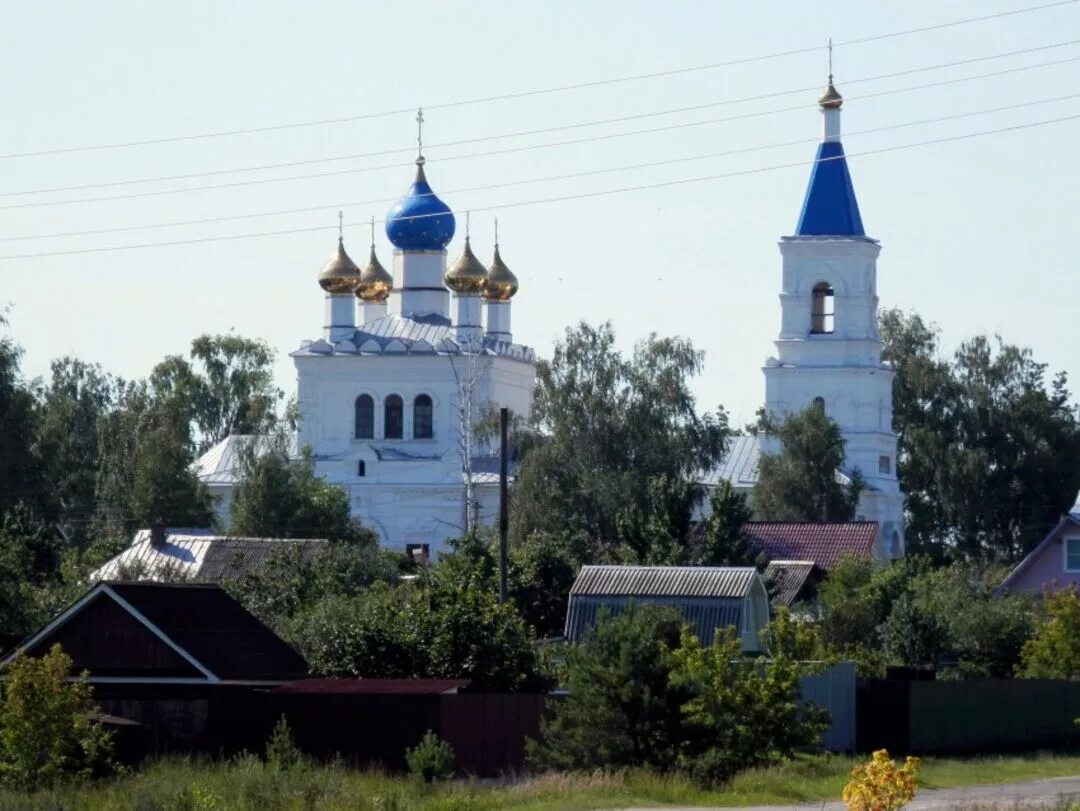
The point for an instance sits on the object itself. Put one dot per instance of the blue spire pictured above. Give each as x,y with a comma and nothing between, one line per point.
830,208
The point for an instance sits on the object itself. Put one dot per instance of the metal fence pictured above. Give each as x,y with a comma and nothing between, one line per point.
834,689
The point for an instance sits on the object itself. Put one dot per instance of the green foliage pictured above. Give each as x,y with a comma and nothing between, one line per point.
281,497
542,570
799,483
47,731
282,753
722,540
430,760
1053,652
644,692
988,446
226,388
617,443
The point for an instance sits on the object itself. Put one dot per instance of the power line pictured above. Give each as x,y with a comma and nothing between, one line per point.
539,91
529,147
541,131
550,178
559,199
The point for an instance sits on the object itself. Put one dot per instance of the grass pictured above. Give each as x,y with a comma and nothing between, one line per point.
247,785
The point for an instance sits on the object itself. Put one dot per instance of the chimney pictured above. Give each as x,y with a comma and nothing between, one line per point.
157,534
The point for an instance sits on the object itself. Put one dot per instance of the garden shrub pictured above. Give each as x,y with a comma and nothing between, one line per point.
47,726
430,760
881,785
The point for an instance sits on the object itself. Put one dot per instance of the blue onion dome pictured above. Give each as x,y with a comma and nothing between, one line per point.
420,221
500,284
341,275
466,276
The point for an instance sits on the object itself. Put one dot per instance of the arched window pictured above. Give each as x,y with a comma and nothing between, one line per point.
819,404
821,309
422,417
365,417
361,468
393,417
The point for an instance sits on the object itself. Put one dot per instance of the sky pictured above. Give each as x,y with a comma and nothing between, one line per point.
977,232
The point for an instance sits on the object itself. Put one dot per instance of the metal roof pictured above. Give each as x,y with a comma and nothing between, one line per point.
786,579
194,555
664,581
824,544
830,207
221,464
374,687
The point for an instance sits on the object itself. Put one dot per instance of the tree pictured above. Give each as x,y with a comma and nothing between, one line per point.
615,438
281,497
722,539
226,388
21,473
542,570
623,707
47,729
1054,651
800,482
988,445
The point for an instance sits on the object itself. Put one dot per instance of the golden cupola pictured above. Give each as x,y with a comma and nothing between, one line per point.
500,284
341,275
375,281
830,98
466,276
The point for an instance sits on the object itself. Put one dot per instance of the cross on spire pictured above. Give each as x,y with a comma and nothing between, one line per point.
373,233
468,214
830,59
496,232
341,226
419,132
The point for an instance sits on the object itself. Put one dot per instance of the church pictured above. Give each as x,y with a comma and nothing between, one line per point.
409,360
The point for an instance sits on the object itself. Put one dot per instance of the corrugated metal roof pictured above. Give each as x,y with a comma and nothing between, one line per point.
664,581
199,556
703,614
824,544
374,687
786,579
221,464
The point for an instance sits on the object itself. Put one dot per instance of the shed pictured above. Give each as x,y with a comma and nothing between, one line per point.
709,597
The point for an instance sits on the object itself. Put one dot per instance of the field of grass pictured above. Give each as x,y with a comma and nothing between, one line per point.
247,785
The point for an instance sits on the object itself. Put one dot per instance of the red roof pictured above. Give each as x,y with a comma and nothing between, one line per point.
823,544
374,687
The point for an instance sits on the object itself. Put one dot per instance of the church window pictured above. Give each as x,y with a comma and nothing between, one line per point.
822,311
365,417
884,465
393,417
361,468
422,417
819,404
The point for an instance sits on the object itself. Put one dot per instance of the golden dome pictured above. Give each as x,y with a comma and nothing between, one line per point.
501,284
341,275
466,276
375,281
830,98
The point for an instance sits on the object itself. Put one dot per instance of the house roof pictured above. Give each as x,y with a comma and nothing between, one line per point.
373,687
824,544
663,581
200,556
786,580
1030,558
204,625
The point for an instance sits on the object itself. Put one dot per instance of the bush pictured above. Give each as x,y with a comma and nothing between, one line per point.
643,692
1054,651
430,760
880,785
282,753
47,729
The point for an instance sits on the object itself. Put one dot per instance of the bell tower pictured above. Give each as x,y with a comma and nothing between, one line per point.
828,352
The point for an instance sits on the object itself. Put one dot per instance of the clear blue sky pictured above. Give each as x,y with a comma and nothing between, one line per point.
978,234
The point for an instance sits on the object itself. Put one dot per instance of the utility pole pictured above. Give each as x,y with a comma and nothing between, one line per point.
504,518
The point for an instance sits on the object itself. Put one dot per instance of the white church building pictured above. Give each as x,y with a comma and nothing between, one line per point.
407,359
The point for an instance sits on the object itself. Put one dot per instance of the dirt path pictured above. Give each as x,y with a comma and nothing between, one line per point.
1034,794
